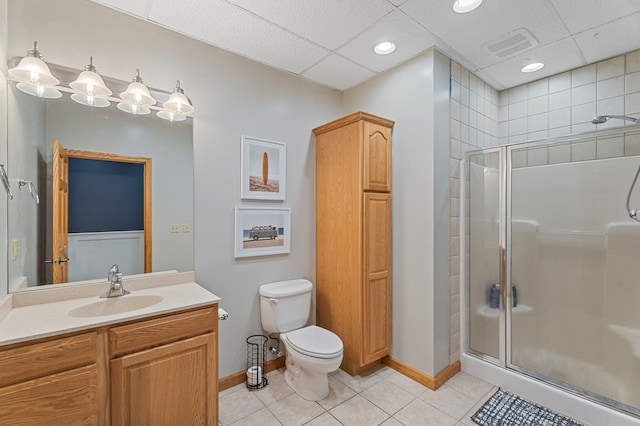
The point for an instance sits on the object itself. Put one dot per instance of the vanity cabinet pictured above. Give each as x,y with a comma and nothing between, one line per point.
157,371
353,236
164,371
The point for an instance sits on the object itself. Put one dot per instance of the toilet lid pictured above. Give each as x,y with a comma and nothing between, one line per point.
315,341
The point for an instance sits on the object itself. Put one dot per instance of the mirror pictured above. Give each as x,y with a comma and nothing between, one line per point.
95,242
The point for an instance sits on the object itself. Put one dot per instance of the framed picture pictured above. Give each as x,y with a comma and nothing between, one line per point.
264,169
262,232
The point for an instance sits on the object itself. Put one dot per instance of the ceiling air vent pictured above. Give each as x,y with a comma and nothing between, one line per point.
512,43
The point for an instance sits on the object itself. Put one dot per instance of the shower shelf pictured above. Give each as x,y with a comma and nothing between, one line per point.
488,312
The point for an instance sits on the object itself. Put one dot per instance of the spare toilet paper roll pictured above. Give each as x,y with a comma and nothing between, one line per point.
222,314
254,375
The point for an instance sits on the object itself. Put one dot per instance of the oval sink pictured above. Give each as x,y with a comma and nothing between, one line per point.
115,305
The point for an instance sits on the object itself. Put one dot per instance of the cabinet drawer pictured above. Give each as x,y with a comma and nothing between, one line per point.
41,359
146,334
63,399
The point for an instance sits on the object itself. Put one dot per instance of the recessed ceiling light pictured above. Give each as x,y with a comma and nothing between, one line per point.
384,48
532,67
464,6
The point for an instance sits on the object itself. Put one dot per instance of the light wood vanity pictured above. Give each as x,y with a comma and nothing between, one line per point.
158,369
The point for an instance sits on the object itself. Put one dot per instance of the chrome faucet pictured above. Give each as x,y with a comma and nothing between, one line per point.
116,288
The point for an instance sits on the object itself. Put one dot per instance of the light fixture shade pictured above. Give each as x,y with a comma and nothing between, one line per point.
39,90
32,69
133,108
171,116
137,93
92,101
90,83
178,102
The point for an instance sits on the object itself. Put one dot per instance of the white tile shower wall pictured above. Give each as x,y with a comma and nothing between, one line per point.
474,117
566,103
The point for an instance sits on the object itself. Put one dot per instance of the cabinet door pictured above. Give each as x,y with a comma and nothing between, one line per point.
377,278
175,384
377,157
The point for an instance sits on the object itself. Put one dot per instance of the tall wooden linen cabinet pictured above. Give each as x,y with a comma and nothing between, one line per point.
353,236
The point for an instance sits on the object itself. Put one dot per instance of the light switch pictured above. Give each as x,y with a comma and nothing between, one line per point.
14,251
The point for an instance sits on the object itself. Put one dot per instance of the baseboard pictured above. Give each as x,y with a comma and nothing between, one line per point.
241,376
432,383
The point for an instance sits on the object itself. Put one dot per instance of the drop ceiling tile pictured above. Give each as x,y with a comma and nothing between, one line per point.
229,27
134,7
557,57
615,38
581,15
338,72
409,37
491,21
330,23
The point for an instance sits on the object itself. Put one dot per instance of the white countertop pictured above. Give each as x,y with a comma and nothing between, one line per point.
46,313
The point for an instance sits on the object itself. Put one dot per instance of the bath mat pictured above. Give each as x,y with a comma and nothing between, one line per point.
507,409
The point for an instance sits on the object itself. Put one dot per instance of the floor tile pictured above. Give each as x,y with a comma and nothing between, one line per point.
338,393
262,417
359,412
406,383
469,385
360,382
419,412
324,420
391,422
276,390
295,410
388,396
449,400
466,418
235,405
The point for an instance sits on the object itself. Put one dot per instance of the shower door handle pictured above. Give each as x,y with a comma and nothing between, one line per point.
503,276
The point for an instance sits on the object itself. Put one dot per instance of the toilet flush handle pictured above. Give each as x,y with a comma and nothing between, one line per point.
274,301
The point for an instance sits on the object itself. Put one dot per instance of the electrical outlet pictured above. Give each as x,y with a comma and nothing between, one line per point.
185,227
174,228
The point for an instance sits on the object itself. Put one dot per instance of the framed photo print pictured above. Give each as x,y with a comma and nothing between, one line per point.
262,231
264,169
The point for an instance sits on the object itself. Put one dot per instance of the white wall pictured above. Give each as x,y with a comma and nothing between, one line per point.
232,96
413,95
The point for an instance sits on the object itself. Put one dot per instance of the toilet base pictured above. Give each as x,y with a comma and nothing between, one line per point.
312,386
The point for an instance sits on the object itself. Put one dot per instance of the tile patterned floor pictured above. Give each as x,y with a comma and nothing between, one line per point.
381,396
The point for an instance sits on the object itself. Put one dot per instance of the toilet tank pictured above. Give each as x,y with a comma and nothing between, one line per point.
285,305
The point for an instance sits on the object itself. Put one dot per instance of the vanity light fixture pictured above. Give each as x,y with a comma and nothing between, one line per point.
90,88
532,67
466,6
178,102
171,116
133,108
385,48
34,77
32,69
39,90
137,93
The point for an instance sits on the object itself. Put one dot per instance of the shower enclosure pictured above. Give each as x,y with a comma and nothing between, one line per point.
553,263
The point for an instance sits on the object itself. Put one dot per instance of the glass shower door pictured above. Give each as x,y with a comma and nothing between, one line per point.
575,267
485,268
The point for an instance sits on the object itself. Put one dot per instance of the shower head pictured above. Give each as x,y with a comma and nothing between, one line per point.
604,118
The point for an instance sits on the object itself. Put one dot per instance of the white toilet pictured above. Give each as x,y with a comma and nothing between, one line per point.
312,352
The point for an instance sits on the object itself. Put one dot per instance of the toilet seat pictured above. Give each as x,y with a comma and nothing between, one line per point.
315,341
